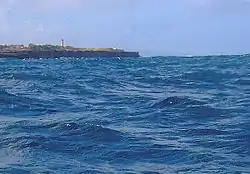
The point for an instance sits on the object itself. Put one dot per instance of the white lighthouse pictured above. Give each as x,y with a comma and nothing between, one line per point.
62,43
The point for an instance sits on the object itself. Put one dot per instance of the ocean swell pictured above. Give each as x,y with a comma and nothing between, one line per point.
147,115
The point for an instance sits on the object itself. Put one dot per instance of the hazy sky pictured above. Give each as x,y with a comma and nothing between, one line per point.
153,27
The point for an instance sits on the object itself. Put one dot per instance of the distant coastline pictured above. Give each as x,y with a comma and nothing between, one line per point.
57,51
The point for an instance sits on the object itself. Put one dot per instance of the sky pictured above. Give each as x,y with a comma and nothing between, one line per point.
152,27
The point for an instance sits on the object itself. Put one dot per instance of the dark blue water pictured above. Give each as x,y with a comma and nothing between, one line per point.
146,115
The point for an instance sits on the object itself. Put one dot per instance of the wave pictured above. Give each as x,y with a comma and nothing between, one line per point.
60,137
177,101
147,115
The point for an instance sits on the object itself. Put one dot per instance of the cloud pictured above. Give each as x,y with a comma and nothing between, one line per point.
221,3
201,3
220,8
31,26
5,8
58,4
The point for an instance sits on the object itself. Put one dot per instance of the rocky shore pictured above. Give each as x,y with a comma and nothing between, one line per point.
75,54
54,51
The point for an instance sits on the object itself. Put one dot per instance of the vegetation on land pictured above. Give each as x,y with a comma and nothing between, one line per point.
47,47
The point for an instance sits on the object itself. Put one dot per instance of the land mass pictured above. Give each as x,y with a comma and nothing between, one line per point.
57,51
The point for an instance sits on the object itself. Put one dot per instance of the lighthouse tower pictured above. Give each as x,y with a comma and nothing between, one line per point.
62,43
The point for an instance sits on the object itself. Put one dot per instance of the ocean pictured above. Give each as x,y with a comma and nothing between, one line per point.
144,115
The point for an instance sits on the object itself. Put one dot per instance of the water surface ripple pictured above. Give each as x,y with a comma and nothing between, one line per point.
146,115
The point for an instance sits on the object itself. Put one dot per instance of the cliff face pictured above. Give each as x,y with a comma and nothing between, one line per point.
58,54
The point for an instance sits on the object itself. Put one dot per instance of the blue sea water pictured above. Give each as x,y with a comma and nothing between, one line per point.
135,115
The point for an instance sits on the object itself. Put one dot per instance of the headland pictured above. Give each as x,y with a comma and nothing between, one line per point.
57,51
